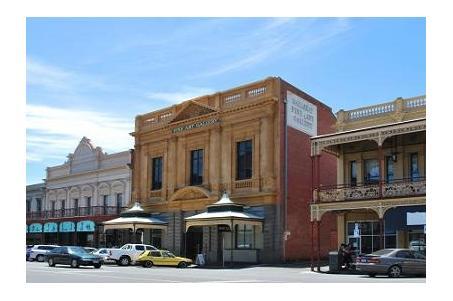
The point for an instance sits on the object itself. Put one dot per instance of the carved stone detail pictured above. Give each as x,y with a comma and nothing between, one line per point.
190,193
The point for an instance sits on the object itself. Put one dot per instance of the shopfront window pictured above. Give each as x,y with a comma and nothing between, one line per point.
371,171
196,167
157,174
244,160
365,236
244,236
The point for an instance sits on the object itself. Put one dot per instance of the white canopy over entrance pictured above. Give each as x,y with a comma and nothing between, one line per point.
135,218
225,212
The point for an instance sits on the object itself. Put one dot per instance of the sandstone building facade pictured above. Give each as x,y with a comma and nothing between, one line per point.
187,155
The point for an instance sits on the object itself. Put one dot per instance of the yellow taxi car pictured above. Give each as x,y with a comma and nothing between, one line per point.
162,257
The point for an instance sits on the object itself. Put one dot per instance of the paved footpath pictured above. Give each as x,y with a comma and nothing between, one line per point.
40,272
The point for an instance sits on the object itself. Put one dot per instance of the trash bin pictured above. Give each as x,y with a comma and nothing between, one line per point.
334,264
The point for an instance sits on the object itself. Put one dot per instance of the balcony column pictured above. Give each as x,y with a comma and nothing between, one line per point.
381,231
381,169
318,237
312,248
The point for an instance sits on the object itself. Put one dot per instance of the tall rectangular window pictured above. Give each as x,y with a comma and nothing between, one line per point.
414,168
371,171
119,202
88,202
353,178
28,206
63,203
105,203
52,208
244,160
389,173
196,167
76,206
245,236
38,205
156,174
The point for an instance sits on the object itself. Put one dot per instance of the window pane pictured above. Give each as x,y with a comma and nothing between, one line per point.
414,166
389,169
196,166
353,166
371,171
244,160
156,173
390,241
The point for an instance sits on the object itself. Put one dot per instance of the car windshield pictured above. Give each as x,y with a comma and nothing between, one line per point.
77,250
169,254
382,252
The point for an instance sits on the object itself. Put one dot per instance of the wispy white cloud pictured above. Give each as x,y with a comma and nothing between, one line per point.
50,77
55,78
280,37
186,93
52,133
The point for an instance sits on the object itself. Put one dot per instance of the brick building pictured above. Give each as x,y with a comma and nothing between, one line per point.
235,141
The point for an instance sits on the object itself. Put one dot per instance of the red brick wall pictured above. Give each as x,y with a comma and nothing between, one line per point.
298,244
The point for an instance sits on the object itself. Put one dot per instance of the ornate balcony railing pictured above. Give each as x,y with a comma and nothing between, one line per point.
74,212
392,189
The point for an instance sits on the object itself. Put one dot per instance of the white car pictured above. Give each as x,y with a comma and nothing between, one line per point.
38,252
128,253
104,254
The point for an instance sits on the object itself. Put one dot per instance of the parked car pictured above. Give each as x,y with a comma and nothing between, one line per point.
162,257
418,246
104,254
27,251
73,256
38,252
392,262
90,249
128,253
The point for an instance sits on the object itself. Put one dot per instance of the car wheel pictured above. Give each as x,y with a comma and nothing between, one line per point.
40,258
148,264
125,261
74,263
182,265
394,271
372,275
51,262
97,266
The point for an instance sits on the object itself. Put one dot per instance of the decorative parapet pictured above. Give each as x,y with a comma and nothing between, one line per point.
225,99
398,110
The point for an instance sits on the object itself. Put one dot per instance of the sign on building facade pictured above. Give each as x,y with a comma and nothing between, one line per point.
302,115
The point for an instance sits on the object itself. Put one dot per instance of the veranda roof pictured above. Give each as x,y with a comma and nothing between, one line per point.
223,212
135,218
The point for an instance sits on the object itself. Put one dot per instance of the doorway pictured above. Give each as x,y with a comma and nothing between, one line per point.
194,242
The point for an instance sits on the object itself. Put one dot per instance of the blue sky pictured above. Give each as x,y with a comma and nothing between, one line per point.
92,76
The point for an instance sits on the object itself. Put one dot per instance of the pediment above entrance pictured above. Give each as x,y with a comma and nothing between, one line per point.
191,110
190,193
